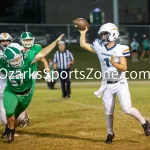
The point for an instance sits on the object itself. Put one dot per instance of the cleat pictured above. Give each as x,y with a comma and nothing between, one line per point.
146,128
109,139
5,132
24,123
68,96
16,134
10,136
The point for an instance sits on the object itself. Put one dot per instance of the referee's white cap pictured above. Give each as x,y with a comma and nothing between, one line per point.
61,42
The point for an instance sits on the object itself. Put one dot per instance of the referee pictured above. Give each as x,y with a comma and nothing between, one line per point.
63,60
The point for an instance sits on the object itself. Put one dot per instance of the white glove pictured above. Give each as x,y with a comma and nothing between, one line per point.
48,78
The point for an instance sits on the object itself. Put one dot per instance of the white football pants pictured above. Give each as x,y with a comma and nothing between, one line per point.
2,110
122,91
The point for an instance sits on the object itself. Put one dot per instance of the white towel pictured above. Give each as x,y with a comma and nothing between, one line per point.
101,89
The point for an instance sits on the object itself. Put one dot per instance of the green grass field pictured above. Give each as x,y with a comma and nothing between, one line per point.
78,123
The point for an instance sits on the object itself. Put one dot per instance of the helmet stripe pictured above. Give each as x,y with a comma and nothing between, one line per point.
5,35
12,51
27,34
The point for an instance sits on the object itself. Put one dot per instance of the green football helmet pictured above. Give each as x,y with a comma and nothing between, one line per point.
27,39
13,57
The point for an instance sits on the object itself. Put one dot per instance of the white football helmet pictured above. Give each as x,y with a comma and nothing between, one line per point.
5,40
111,29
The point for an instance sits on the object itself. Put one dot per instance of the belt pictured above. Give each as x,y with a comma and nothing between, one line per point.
23,93
111,82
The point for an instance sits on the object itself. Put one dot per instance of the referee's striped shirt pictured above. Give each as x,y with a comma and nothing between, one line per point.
62,59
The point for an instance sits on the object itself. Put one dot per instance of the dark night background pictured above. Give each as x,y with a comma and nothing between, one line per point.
64,11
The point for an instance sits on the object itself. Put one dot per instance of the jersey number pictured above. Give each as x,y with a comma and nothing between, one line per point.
107,62
14,82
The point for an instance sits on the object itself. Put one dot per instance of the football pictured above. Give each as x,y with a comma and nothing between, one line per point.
81,23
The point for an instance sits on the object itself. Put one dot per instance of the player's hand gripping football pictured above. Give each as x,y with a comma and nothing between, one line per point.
83,31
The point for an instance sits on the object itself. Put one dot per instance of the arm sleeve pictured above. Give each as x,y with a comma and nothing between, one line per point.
96,45
125,51
29,57
38,48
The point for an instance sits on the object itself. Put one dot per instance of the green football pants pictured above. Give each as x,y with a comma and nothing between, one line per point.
16,104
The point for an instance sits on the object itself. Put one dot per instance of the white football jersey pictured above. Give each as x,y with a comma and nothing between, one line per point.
2,76
109,72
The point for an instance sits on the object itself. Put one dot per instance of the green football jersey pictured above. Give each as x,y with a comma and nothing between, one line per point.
20,79
36,48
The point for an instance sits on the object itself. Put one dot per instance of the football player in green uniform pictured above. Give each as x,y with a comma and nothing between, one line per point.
27,41
5,40
20,85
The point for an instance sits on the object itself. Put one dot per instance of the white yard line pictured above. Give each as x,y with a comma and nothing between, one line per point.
90,106
96,107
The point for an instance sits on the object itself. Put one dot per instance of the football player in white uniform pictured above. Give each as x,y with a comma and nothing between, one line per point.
5,40
113,63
